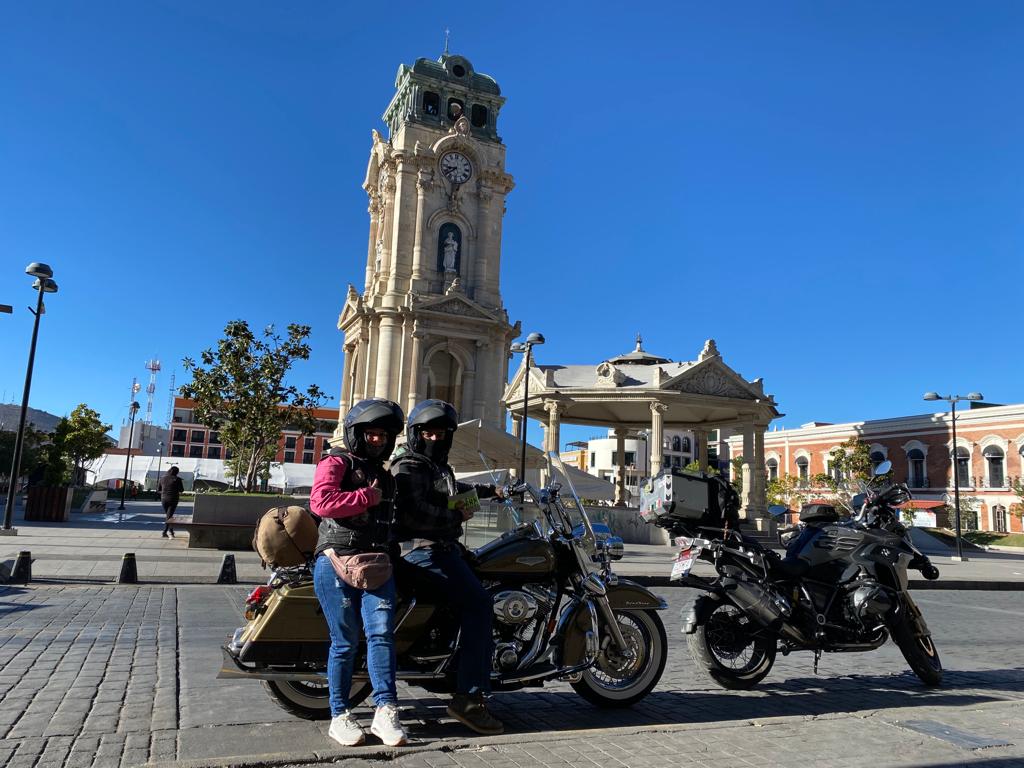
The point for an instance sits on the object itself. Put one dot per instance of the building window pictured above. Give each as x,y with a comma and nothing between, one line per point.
180,435
289,456
803,469
593,458
772,465
213,452
877,457
666,461
455,109
215,438
195,451
676,443
178,450
677,461
963,466
994,466
431,103
684,445
307,457
999,518
630,458
478,116
915,468
289,442
198,436
309,443
227,454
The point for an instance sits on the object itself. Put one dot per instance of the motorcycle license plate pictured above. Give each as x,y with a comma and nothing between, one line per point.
683,563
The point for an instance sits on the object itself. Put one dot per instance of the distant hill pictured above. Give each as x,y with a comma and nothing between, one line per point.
10,413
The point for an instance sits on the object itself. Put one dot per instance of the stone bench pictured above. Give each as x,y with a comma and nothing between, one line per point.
228,521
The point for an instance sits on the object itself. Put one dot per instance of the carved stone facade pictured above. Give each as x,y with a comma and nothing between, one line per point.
430,321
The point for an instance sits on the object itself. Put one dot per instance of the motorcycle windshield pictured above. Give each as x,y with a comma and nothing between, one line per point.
494,516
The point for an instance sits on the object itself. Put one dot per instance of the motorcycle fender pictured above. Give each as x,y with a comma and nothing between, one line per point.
570,639
628,595
698,613
915,616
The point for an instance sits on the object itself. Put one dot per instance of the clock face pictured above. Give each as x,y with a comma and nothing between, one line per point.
456,167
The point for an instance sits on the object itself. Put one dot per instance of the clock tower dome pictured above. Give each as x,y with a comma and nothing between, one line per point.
429,322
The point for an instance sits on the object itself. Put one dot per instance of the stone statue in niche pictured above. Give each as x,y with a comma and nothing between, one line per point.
449,250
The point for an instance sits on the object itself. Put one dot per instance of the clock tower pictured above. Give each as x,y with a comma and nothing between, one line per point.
429,322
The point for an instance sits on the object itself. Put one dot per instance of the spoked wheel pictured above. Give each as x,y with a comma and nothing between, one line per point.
919,652
310,700
731,649
622,679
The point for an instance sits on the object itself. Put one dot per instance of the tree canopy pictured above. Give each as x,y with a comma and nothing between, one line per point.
80,438
239,389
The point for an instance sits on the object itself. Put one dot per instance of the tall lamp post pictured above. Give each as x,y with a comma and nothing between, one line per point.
159,460
953,400
526,347
134,408
44,283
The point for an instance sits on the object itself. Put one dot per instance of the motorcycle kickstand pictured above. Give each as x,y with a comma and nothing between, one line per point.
817,656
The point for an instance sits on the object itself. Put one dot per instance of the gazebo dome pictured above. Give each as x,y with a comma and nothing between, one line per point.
638,356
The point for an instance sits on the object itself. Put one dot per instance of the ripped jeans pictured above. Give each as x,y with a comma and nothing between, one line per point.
345,608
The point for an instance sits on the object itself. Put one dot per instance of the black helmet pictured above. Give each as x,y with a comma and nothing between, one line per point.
379,413
435,414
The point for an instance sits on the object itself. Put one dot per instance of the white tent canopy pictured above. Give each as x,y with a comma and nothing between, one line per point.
111,467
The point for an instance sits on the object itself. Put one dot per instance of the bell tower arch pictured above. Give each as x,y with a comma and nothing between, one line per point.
436,187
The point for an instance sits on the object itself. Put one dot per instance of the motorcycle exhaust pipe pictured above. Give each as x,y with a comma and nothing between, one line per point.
768,610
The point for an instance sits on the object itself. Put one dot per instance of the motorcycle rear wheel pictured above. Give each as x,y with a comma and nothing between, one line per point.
728,648
919,652
617,681
310,700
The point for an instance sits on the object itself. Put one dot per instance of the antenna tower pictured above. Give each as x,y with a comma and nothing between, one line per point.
170,403
153,366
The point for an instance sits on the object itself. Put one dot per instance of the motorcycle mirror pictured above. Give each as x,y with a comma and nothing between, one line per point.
883,468
777,510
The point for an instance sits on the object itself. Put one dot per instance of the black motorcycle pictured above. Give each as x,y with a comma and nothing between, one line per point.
841,587
560,613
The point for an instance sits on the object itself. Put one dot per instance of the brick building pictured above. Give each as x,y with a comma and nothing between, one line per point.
189,439
990,455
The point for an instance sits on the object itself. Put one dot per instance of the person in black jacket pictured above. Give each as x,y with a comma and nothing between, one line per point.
424,484
170,488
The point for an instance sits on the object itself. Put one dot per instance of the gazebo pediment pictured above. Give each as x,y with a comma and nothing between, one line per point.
714,378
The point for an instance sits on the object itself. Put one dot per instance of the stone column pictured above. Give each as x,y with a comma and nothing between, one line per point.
371,253
656,439
482,280
700,448
359,374
759,502
468,394
747,497
554,426
424,180
620,466
415,363
385,356
348,377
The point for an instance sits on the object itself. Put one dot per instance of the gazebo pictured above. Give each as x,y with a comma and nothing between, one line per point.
639,390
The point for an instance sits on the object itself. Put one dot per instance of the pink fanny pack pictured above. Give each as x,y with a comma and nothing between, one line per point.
367,570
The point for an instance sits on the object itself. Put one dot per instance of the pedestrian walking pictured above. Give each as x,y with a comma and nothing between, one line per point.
170,488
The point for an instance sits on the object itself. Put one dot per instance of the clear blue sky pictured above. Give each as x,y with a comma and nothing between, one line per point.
831,190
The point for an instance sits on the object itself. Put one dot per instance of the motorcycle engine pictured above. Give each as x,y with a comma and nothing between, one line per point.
870,604
519,614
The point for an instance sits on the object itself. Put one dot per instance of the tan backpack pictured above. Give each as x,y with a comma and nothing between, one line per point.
285,536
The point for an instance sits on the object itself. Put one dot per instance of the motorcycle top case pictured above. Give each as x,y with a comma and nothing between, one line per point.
674,495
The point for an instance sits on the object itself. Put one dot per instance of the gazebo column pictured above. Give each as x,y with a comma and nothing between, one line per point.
759,501
700,448
747,497
552,431
620,467
657,439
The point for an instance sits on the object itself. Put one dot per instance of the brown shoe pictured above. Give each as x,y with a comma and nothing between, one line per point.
471,710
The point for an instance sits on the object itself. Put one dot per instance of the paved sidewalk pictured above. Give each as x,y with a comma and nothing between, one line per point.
89,548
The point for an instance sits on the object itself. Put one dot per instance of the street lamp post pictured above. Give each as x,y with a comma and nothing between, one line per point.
134,408
526,348
953,400
43,284
159,459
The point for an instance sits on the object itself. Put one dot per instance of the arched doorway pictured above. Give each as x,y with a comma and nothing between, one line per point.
444,378
999,518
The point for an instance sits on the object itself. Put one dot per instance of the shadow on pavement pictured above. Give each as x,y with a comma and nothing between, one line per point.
7,609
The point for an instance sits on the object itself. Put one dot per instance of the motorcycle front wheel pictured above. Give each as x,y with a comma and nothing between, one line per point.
309,700
622,679
730,649
919,652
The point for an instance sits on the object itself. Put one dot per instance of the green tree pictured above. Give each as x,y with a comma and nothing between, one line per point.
79,439
32,452
849,469
786,490
239,389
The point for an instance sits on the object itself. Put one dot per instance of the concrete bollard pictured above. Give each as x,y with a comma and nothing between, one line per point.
22,568
227,573
129,573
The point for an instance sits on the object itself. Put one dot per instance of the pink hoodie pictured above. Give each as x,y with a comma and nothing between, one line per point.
327,498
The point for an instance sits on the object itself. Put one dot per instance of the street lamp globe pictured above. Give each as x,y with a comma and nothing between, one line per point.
535,338
38,269
974,395
932,396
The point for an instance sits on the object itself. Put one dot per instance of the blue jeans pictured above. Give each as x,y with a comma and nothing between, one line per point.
476,611
346,610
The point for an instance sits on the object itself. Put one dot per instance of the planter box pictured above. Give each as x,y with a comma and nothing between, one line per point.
48,504
228,521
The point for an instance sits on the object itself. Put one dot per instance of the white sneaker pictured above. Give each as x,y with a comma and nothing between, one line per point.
386,727
345,730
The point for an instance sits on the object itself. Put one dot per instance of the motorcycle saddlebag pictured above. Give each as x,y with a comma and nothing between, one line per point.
675,496
285,536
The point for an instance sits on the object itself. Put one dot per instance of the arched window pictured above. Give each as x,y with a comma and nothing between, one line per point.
803,469
772,465
994,466
676,443
915,469
684,445
877,457
963,466
444,379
